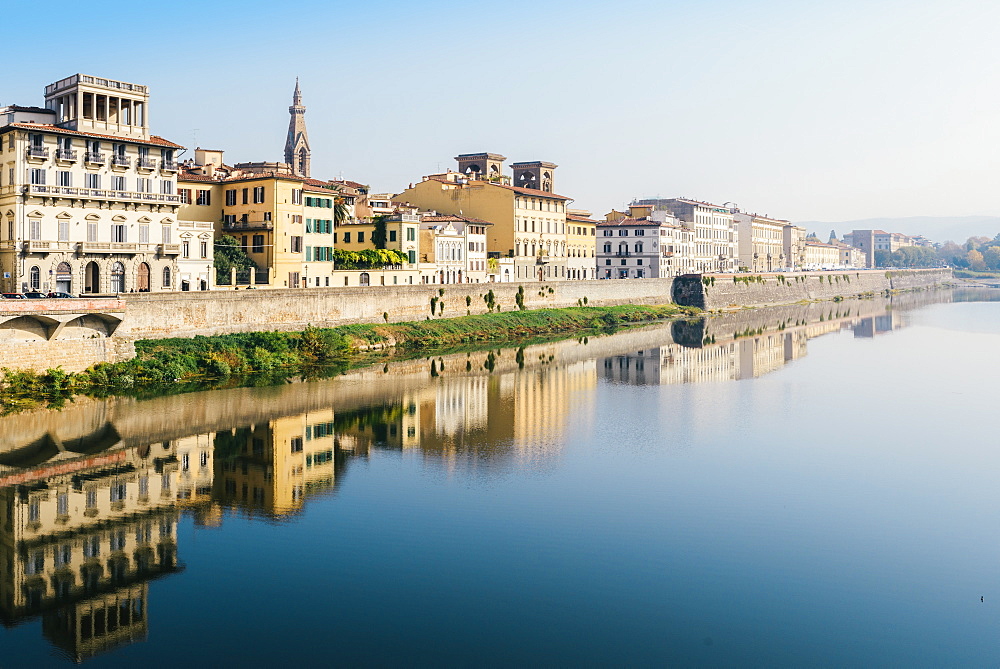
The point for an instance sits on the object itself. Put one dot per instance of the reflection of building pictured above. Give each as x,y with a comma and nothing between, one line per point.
876,325
86,531
271,468
743,358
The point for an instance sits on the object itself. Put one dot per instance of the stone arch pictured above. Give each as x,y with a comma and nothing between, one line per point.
64,277
92,277
142,278
117,284
26,328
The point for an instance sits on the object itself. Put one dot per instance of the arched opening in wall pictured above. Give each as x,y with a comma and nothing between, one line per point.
35,277
364,279
142,278
64,278
167,279
302,161
118,278
92,278
203,285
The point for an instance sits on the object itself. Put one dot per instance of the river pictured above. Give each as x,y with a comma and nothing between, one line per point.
811,485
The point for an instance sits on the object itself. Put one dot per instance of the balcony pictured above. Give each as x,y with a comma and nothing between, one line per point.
108,247
38,246
100,194
253,224
94,158
170,249
37,153
168,166
145,164
66,155
121,161
623,254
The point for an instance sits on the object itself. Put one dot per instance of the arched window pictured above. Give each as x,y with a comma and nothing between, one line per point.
92,278
36,277
364,279
118,278
166,277
64,278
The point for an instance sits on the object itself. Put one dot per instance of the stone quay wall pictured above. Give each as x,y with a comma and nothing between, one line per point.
186,314
738,290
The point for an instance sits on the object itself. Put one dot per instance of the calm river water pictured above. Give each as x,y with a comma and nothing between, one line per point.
799,486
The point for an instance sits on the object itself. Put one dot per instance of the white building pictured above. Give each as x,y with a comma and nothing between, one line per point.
88,199
640,246
453,248
195,264
760,242
714,234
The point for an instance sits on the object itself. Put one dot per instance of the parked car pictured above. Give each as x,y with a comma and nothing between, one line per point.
61,295
13,296
35,295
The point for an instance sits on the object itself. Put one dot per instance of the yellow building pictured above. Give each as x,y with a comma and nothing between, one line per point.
821,256
529,225
581,245
760,242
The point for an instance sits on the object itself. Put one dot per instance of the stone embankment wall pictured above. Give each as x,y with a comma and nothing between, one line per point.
158,315
726,291
162,315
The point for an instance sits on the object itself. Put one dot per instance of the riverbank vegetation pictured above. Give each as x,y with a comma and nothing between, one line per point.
166,366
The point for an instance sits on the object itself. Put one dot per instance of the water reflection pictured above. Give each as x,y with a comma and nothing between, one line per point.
91,496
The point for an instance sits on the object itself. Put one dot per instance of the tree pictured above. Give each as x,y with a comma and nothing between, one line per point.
341,214
229,255
975,260
991,256
883,258
378,234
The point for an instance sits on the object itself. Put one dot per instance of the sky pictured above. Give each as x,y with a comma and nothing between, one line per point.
799,110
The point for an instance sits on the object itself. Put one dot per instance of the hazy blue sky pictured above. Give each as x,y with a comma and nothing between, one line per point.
807,111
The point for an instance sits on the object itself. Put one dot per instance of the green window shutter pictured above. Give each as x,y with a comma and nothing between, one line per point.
309,253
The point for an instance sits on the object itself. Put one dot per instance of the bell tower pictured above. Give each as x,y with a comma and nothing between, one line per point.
297,153
536,174
481,166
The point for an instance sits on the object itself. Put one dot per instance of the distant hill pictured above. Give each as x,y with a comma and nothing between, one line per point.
935,228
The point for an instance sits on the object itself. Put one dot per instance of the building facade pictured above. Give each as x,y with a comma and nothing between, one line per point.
88,200
714,241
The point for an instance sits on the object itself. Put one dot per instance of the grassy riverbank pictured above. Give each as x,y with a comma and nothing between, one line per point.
165,366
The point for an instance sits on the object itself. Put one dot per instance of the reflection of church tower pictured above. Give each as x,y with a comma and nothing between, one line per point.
297,153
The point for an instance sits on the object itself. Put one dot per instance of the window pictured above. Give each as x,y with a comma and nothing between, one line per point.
186,249
118,183
167,187
34,228
258,244
166,277
185,194
91,231
118,492
361,237
204,198
297,196
258,194
246,193
37,176
91,497
411,234
347,238
64,178
119,233
63,231
231,197
392,235
295,244
204,249
92,180
296,444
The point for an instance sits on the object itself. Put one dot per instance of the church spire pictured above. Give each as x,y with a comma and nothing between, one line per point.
297,153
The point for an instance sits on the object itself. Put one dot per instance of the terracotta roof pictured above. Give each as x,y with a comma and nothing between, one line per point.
580,219
352,184
153,139
190,176
630,221
516,189
451,218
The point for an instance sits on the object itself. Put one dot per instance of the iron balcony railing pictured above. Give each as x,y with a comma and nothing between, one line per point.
95,157
38,152
118,160
66,154
147,163
169,165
